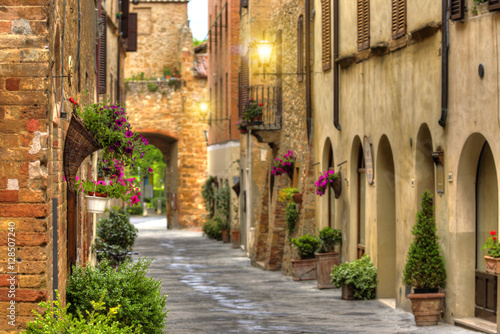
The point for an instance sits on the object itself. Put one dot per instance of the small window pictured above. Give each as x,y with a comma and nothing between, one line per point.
493,4
457,9
398,18
363,24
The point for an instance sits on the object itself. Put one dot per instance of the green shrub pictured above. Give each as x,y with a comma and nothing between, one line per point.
328,239
139,297
208,194
154,203
115,233
306,246
360,274
424,264
152,87
212,229
291,217
135,210
56,320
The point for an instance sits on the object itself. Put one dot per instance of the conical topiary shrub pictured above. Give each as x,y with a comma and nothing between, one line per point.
425,265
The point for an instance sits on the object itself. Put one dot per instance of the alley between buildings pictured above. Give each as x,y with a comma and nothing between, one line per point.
212,288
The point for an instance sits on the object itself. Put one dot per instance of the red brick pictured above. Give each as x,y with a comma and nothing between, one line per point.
4,280
26,267
23,295
22,309
9,196
24,225
2,112
25,239
5,27
30,196
23,210
33,112
12,84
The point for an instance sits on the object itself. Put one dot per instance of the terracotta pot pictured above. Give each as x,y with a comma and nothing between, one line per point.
257,120
243,130
235,237
492,265
297,198
347,293
426,307
304,270
91,193
225,236
324,264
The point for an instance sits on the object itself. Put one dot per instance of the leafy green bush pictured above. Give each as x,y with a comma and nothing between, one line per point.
212,229
139,297
223,197
291,217
115,233
56,320
328,238
424,264
360,274
135,210
154,203
306,246
208,194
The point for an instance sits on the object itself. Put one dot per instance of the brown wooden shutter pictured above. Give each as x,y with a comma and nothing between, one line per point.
132,32
493,4
457,9
244,3
363,24
300,48
326,34
398,18
125,15
244,82
102,56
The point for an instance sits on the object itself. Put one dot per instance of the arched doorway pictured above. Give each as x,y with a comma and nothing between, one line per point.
476,215
329,199
386,220
424,167
359,195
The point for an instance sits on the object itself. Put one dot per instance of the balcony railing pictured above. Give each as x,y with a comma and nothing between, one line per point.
270,97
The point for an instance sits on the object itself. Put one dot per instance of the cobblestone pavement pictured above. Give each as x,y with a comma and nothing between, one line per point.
212,288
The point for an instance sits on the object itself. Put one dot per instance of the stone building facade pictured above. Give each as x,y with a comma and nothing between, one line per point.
222,97
167,112
428,118
45,58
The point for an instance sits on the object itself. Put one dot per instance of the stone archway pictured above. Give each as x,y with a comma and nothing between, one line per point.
424,166
386,220
328,200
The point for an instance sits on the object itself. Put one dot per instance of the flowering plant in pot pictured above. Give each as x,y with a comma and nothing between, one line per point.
110,127
425,269
305,268
242,125
328,178
493,258
252,111
326,256
285,165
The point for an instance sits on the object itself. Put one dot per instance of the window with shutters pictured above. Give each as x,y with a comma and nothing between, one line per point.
457,9
398,18
363,24
300,48
132,32
102,56
244,82
493,4
326,34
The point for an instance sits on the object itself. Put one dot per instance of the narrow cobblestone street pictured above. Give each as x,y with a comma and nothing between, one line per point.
212,288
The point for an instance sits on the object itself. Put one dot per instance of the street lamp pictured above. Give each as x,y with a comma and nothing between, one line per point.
265,51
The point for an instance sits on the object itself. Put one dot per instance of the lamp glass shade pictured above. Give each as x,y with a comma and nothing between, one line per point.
265,50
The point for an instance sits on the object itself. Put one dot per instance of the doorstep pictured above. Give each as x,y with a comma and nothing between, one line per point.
477,324
260,264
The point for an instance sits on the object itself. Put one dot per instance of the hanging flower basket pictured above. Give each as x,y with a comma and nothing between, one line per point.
337,185
96,203
329,178
285,165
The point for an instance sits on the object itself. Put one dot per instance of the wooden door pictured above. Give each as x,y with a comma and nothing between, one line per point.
486,296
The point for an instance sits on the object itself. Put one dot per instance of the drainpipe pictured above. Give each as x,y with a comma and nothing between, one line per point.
444,64
308,68
119,52
336,81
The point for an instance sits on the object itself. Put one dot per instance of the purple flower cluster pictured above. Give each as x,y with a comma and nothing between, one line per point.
285,165
325,178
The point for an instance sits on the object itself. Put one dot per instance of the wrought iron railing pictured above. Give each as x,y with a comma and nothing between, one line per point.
270,97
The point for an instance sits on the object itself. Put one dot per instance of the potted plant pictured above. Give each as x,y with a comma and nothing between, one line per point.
167,73
326,256
285,165
252,112
493,258
242,125
305,268
358,279
176,73
329,178
425,269
291,213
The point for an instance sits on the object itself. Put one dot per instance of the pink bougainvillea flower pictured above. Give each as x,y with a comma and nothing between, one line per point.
150,170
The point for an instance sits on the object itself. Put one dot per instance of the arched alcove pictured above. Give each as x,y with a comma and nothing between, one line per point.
424,165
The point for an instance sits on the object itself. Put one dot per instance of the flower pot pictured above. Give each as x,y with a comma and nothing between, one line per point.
243,131
337,186
297,198
426,307
304,270
324,264
225,236
96,203
492,265
257,120
347,293
235,237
